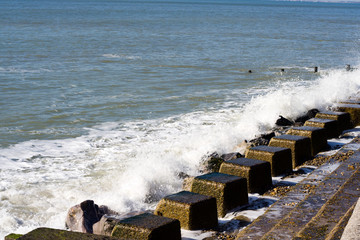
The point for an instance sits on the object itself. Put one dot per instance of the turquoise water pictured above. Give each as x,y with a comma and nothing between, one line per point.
93,93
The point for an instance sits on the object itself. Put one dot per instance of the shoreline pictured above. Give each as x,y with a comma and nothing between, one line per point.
279,189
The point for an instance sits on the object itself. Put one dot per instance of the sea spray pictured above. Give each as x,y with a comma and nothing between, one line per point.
129,166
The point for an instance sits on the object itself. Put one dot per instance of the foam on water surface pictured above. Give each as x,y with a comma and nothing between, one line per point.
129,166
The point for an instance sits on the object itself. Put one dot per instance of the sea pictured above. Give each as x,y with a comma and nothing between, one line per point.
116,100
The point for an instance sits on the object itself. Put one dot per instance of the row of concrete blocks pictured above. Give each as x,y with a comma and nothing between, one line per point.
215,194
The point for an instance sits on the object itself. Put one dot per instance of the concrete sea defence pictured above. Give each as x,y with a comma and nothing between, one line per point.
318,207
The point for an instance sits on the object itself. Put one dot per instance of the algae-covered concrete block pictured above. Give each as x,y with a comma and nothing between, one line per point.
300,147
12,236
147,226
342,118
278,157
194,211
230,191
353,110
56,234
317,137
256,172
329,125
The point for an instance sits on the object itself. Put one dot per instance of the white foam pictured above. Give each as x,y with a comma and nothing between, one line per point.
130,165
121,56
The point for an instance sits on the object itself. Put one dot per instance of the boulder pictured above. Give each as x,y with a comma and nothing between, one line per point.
310,114
283,122
82,217
264,139
212,162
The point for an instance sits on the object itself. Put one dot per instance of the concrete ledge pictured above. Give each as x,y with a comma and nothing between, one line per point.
300,147
56,234
353,110
279,158
194,211
342,118
147,226
331,126
351,101
317,137
230,191
256,172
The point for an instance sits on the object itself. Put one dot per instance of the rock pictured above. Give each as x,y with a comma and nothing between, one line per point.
212,162
231,156
91,214
283,122
310,114
82,217
262,140
105,225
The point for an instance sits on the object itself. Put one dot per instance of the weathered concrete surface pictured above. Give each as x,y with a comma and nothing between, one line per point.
333,210
230,191
342,118
12,236
317,137
331,126
279,158
56,234
256,172
353,110
194,211
352,229
147,226
290,214
338,230
325,192
300,147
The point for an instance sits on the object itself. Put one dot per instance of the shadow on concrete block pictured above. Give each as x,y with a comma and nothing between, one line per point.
353,110
317,137
342,118
230,191
256,172
278,157
147,226
194,211
300,147
331,126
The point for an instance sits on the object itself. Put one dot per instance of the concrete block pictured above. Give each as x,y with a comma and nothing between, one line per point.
256,172
12,236
342,118
317,137
194,211
56,234
330,126
300,147
353,110
278,157
351,101
147,226
230,191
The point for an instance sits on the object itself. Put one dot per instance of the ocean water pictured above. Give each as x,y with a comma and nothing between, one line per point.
110,100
